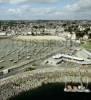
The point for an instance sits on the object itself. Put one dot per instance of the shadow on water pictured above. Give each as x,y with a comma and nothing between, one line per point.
51,90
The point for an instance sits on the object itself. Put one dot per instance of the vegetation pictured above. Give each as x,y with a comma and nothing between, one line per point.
87,45
30,80
46,28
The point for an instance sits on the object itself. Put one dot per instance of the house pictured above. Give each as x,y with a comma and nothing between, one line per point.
29,33
50,31
85,37
81,28
2,33
73,37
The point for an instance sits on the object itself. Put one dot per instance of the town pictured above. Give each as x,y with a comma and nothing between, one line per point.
73,29
45,49
58,48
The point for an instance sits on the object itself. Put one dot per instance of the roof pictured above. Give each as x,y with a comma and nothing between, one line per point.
66,56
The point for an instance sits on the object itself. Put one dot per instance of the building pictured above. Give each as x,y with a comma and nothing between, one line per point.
2,33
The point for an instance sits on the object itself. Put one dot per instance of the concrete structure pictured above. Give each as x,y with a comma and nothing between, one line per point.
59,58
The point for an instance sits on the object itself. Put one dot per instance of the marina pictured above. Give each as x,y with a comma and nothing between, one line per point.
34,54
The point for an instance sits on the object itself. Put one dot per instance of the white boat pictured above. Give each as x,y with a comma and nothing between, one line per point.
83,89
78,89
28,57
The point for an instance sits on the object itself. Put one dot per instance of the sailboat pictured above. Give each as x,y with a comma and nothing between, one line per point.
79,88
82,88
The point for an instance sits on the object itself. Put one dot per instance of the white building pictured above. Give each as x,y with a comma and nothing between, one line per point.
85,37
81,28
29,33
2,33
50,31
73,36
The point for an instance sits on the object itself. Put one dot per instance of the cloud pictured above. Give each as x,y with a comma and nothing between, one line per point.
80,9
28,1
26,9
14,11
80,6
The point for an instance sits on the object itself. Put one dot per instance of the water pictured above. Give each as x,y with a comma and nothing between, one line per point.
50,91
13,52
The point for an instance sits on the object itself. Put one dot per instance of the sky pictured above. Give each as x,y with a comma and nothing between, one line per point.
45,9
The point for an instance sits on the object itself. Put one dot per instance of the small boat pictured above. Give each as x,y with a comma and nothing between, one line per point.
76,89
83,89
10,59
2,61
15,61
28,57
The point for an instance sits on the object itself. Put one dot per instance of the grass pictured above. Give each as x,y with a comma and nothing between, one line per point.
87,45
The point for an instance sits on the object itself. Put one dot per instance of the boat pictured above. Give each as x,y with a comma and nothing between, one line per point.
77,89
28,57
